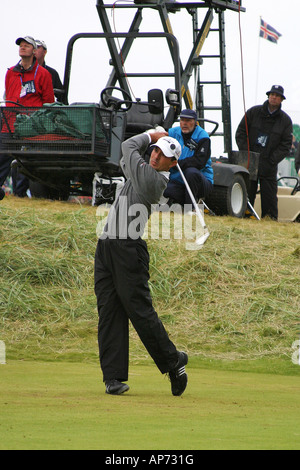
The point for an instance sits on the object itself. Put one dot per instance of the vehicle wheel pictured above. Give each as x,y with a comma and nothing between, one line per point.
38,190
231,200
42,191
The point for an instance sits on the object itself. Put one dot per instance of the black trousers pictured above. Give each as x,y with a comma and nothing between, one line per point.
268,196
199,184
20,182
122,291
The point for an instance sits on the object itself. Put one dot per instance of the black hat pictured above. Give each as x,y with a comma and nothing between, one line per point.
277,89
188,114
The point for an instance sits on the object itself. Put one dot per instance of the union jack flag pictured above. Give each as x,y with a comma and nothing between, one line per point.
268,32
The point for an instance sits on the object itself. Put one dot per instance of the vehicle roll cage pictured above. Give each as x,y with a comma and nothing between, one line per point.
180,73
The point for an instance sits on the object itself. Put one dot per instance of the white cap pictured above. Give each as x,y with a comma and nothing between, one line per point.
169,146
41,44
28,39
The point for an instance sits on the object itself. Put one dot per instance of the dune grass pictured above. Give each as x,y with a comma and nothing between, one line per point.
237,298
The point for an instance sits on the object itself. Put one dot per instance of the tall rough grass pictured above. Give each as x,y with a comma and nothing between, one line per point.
237,297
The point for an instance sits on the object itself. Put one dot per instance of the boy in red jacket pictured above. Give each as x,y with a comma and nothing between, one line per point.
27,84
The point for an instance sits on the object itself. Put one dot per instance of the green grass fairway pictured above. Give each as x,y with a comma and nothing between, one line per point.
63,406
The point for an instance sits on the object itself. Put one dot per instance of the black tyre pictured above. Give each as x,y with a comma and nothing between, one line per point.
38,190
229,200
43,191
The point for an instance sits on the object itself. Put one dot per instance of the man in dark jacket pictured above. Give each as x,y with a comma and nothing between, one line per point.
270,133
40,55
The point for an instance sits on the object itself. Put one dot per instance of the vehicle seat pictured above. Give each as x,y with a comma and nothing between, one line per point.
140,118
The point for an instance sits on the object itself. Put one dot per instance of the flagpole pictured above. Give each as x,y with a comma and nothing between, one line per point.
258,61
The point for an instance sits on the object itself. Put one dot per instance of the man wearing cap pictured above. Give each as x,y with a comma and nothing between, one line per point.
194,161
40,55
26,84
122,267
270,133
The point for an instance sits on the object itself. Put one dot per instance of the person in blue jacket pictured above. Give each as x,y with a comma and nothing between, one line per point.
194,161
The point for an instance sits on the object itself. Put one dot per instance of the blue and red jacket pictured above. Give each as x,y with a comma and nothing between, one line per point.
194,143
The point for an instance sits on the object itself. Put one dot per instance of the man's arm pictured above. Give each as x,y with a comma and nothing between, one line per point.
47,87
133,150
285,145
145,180
55,77
241,133
12,85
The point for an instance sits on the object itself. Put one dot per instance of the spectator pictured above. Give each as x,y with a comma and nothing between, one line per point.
26,84
40,54
195,161
270,133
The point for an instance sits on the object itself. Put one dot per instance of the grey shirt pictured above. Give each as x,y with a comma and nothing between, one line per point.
144,187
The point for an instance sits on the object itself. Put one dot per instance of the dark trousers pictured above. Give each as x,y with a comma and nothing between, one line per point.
20,182
268,196
5,167
122,291
198,183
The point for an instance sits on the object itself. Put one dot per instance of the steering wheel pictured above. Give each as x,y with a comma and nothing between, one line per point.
116,103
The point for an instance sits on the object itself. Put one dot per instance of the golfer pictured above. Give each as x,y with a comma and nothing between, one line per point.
122,268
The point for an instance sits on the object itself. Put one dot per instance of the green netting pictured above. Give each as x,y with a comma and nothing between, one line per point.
76,121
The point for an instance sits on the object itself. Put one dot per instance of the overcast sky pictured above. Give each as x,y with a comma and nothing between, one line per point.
265,63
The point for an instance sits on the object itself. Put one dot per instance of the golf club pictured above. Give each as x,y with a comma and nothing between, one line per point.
201,240
252,210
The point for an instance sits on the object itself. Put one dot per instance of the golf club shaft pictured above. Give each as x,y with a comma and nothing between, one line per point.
198,212
253,211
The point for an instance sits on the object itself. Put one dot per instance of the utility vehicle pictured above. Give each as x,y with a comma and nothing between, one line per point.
61,147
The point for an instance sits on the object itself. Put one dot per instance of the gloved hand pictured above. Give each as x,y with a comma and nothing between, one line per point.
155,134
156,129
